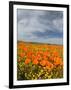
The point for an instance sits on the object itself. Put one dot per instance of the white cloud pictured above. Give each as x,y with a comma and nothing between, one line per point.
58,24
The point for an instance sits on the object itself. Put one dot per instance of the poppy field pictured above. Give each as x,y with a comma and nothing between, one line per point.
36,61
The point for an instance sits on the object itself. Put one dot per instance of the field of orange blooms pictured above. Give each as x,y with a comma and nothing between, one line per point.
39,61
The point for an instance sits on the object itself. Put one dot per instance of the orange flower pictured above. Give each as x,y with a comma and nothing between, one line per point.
43,62
40,52
33,56
27,61
55,54
58,61
45,57
29,54
49,66
39,56
20,45
46,53
22,55
25,49
51,58
35,61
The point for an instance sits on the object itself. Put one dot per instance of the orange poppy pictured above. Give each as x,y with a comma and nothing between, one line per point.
35,61
55,54
29,54
22,55
48,67
33,56
24,49
27,61
43,62
58,60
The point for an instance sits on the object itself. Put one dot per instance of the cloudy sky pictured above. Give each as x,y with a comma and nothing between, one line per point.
40,26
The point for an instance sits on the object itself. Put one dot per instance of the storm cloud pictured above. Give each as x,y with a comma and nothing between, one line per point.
43,26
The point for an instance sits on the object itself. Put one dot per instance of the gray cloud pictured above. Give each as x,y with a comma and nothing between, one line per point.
40,26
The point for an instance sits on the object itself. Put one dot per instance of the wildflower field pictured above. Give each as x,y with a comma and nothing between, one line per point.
39,61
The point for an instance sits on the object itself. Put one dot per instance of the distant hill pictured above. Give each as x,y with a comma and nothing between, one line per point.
38,43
